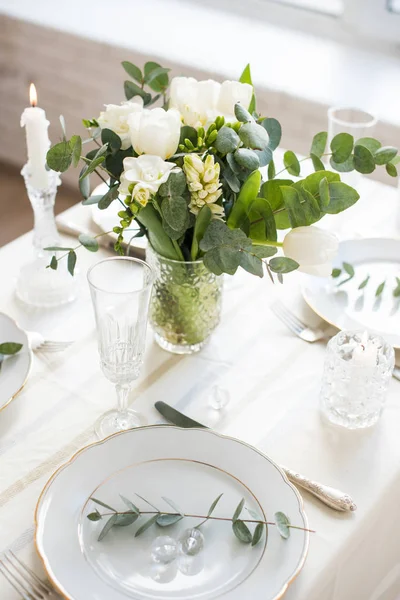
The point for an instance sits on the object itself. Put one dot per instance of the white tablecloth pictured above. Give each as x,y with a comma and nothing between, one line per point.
273,378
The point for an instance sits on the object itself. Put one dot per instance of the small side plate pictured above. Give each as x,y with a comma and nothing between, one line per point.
14,369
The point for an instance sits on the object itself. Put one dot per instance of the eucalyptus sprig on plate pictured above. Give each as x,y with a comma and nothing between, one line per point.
350,272
163,518
8,349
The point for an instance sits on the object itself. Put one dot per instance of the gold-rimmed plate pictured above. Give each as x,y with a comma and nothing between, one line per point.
192,467
349,307
14,369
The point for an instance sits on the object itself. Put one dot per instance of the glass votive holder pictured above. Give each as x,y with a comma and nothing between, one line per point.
357,371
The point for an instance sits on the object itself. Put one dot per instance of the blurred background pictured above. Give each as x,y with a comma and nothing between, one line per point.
305,56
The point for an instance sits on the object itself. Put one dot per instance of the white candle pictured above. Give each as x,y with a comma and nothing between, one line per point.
365,354
37,141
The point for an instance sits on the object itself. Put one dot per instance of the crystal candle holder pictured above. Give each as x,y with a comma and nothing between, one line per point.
37,285
357,371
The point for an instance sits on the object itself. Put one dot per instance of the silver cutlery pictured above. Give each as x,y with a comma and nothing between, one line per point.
303,331
330,496
23,579
38,343
306,333
105,241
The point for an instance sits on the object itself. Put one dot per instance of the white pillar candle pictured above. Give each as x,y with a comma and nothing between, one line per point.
365,354
37,141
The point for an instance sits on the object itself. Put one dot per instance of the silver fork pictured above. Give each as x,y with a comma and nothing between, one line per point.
39,344
23,579
303,331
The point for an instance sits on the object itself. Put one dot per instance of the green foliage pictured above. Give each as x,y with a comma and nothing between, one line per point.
159,239
258,533
363,160
71,261
283,264
222,247
317,163
247,195
238,510
111,139
341,196
109,196
175,216
380,288
318,144
342,146
227,140
283,525
384,155
274,130
291,163
242,114
242,532
133,71
174,186
247,159
364,283
60,156
156,77
132,89
246,78
202,221
271,170
262,222
10,348
370,143
336,273
88,242
253,136
396,291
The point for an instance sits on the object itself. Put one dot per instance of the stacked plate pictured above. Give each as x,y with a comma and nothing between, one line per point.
14,369
350,307
191,467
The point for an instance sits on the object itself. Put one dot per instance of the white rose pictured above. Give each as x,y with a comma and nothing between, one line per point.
156,131
142,176
313,248
115,117
232,92
195,100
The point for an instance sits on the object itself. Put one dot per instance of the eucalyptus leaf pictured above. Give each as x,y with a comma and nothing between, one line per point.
283,264
10,348
291,163
396,291
175,215
133,71
242,114
107,527
227,140
173,505
103,504
336,273
364,161
324,192
345,167
282,524
349,269
258,533
129,504
384,155
54,263
238,510
318,144
264,156
391,170
146,525
317,163
341,196
242,532
131,90
71,262
76,149
56,249
167,520
59,157
84,184
109,196
370,143
246,78
174,186
274,130
123,520
149,503
231,178
94,199
247,158
159,83
253,136
110,138
96,162
380,289
262,223
364,283
94,516
247,195
271,170
214,505
90,243
342,146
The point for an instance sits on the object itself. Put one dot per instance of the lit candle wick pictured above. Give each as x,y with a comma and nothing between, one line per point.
32,95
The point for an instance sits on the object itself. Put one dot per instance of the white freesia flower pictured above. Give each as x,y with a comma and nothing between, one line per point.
115,117
195,100
155,131
200,102
231,93
313,248
142,176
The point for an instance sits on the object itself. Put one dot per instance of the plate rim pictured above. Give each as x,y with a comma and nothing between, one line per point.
311,305
72,459
29,353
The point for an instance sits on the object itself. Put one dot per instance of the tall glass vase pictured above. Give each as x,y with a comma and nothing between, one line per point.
186,303
37,285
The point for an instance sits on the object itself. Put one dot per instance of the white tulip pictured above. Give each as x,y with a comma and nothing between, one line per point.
155,131
115,117
195,100
142,176
313,248
232,92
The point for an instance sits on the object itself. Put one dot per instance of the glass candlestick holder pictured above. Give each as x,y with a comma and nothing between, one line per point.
358,368
36,284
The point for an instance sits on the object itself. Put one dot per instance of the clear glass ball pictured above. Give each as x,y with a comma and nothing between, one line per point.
191,542
164,550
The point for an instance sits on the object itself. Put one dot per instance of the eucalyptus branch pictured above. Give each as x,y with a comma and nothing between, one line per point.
86,241
167,518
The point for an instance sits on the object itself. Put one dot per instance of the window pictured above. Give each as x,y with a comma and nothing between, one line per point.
394,6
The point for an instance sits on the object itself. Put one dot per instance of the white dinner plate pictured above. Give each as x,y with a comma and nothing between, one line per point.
191,467
108,218
346,306
14,369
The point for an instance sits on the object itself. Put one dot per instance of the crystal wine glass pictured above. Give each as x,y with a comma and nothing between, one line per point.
120,289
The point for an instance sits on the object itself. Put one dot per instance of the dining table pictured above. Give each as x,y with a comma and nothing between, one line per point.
273,380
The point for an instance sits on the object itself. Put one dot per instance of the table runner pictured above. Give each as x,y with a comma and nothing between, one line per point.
273,378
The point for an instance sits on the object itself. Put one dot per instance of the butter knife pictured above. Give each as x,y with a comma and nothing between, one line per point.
105,241
330,496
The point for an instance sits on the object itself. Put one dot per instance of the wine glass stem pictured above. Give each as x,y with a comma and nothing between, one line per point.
122,395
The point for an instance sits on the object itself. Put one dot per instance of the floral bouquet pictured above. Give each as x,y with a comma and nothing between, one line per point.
198,177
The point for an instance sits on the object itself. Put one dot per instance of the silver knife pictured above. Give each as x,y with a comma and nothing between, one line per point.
330,496
105,241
